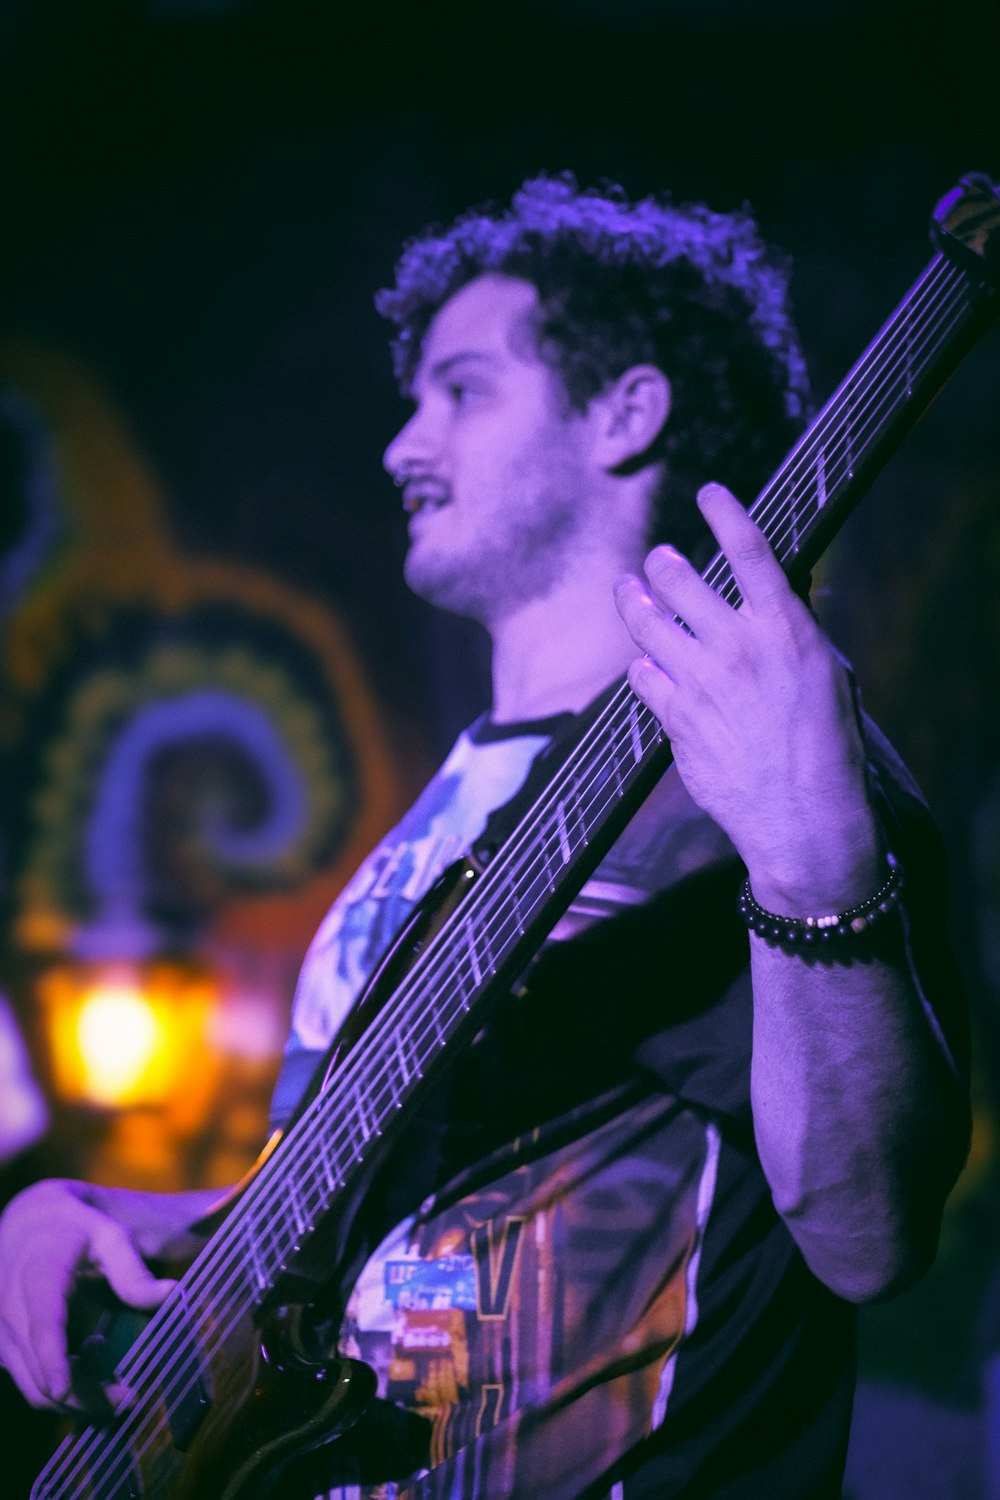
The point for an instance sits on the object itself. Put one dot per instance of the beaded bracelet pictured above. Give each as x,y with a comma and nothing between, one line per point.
793,932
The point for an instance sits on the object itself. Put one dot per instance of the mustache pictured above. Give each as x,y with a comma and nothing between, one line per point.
421,491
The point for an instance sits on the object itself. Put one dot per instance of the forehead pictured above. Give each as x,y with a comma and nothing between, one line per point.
489,317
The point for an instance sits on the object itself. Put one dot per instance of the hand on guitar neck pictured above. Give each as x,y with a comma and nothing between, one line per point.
761,717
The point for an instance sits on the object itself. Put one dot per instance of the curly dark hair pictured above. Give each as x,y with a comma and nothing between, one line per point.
696,293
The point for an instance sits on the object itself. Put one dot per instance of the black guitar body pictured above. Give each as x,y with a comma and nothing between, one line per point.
270,1397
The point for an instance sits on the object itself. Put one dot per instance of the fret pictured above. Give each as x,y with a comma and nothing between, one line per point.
350,1134
299,1218
590,795
355,1135
514,897
481,938
396,1078
635,731
406,1072
273,1225
803,504
820,475
271,1243
582,834
552,855
562,833
362,1119
408,1066
462,990
847,425
432,1014
332,1173
533,892
472,948
626,748
189,1310
652,729
836,452
538,891
618,753
250,1255
907,339
390,1078
889,392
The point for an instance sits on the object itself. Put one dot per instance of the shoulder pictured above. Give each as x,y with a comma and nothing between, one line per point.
667,843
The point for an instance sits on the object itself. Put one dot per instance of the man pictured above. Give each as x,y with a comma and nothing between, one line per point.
617,1251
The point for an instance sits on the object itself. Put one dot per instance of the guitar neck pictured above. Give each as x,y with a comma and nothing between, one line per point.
869,413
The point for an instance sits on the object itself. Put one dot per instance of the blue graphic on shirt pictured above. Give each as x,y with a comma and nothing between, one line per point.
425,1284
447,817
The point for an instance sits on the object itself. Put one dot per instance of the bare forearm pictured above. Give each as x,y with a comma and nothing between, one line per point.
859,1114
860,1118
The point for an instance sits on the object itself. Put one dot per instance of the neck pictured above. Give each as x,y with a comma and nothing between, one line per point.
555,654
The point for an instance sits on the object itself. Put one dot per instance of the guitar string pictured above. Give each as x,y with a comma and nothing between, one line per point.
786,468
759,511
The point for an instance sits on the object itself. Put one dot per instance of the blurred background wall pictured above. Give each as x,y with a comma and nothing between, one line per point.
216,692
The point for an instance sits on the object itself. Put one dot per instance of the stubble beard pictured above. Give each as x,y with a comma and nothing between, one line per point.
518,559
499,575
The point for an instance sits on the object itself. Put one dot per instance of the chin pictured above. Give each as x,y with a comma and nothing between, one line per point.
442,584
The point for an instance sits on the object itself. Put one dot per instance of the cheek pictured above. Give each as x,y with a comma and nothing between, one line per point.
502,463
487,466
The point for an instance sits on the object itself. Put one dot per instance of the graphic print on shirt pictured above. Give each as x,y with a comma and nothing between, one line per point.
486,767
448,816
570,1276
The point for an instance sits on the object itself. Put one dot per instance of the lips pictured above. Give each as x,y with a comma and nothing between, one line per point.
424,495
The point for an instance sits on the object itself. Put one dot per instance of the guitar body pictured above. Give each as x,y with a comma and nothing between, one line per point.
265,1400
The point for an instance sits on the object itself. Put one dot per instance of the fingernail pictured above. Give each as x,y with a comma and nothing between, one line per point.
710,490
638,671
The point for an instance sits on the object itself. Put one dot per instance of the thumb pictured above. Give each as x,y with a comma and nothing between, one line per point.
114,1255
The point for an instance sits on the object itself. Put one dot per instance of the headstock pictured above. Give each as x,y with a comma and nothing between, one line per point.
966,223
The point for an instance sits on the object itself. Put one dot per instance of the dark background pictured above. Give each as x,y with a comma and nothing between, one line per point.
198,200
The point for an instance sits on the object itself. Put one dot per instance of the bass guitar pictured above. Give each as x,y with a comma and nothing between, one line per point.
222,1391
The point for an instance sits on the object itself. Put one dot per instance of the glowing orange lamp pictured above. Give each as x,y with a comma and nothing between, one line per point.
122,1035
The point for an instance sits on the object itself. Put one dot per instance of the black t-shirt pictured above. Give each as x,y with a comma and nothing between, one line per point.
585,1288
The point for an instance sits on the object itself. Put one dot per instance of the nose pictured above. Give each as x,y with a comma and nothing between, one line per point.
412,449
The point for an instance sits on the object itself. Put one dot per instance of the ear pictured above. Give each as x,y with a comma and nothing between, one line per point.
630,415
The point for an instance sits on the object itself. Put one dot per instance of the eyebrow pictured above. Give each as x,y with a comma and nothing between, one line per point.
447,365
